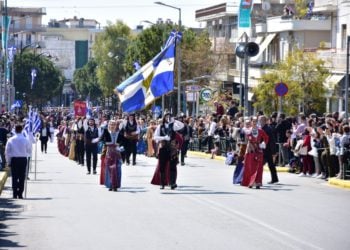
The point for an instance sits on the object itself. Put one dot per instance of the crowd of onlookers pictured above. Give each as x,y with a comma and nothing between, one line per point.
309,145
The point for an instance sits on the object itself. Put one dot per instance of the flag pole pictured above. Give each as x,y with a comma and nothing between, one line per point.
26,177
36,154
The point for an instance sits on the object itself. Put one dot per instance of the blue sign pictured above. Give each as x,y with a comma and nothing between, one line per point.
18,103
244,14
156,109
281,89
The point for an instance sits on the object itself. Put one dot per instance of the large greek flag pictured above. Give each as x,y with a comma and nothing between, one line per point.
152,80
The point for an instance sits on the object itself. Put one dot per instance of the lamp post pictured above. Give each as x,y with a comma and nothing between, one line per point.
347,79
178,53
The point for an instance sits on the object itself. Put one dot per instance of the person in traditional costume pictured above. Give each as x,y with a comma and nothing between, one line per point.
149,139
169,143
254,157
113,161
91,139
239,135
80,148
141,144
131,134
61,139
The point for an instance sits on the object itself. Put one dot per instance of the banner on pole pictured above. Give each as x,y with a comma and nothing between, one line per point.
80,108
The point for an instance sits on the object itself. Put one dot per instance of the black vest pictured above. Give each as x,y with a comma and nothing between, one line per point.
163,130
130,128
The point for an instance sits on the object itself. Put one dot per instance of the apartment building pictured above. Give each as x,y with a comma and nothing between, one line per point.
275,29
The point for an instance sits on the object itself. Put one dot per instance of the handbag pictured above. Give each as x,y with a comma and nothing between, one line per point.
303,150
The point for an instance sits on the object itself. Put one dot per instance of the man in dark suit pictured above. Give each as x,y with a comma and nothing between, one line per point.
91,140
269,149
44,136
186,133
281,128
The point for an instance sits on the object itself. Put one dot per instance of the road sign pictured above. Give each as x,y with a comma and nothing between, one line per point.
17,104
206,94
193,88
281,89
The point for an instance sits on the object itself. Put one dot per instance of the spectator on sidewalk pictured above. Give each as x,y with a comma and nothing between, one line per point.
17,150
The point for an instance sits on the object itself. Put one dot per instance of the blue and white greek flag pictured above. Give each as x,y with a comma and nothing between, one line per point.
152,80
88,108
33,74
33,123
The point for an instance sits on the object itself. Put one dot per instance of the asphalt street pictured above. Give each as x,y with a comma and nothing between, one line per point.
67,209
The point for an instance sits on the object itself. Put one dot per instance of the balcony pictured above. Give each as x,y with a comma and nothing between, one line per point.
286,23
335,59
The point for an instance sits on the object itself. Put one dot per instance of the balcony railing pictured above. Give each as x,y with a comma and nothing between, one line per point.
287,23
335,58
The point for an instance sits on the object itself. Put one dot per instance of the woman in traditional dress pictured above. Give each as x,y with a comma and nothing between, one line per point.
71,140
254,157
113,160
61,139
149,139
239,135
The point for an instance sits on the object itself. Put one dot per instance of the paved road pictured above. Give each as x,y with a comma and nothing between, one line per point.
67,209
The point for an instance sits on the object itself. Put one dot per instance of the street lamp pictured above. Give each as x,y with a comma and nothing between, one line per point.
244,51
37,46
147,21
178,53
347,79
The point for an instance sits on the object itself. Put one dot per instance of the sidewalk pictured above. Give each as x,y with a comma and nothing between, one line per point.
332,181
222,158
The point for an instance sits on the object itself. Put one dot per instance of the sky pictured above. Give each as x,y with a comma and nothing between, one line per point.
131,12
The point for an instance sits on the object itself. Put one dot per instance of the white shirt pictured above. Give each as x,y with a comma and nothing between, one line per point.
212,128
17,146
156,136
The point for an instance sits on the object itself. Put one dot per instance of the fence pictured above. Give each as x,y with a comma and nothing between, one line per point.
225,144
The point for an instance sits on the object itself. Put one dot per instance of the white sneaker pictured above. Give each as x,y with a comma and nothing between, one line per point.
320,176
314,175
302,175
308,175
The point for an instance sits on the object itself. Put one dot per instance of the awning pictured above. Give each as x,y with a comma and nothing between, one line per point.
332,80
263,46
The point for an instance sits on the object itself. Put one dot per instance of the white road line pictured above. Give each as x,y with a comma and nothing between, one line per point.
247,218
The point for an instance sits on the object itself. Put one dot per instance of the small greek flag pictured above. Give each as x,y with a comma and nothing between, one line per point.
33,123
33,74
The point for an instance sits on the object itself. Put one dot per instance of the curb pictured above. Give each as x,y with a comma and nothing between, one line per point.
339,183
3,178
222,158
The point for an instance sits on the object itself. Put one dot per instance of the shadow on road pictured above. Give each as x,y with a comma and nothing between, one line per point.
196,190
132,190
278,187
8,209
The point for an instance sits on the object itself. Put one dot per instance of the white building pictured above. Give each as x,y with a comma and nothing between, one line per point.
276,31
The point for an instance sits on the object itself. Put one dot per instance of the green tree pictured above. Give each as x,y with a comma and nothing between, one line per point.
300,8
146,45
86,82
109,51
48,81
197,58
304,74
